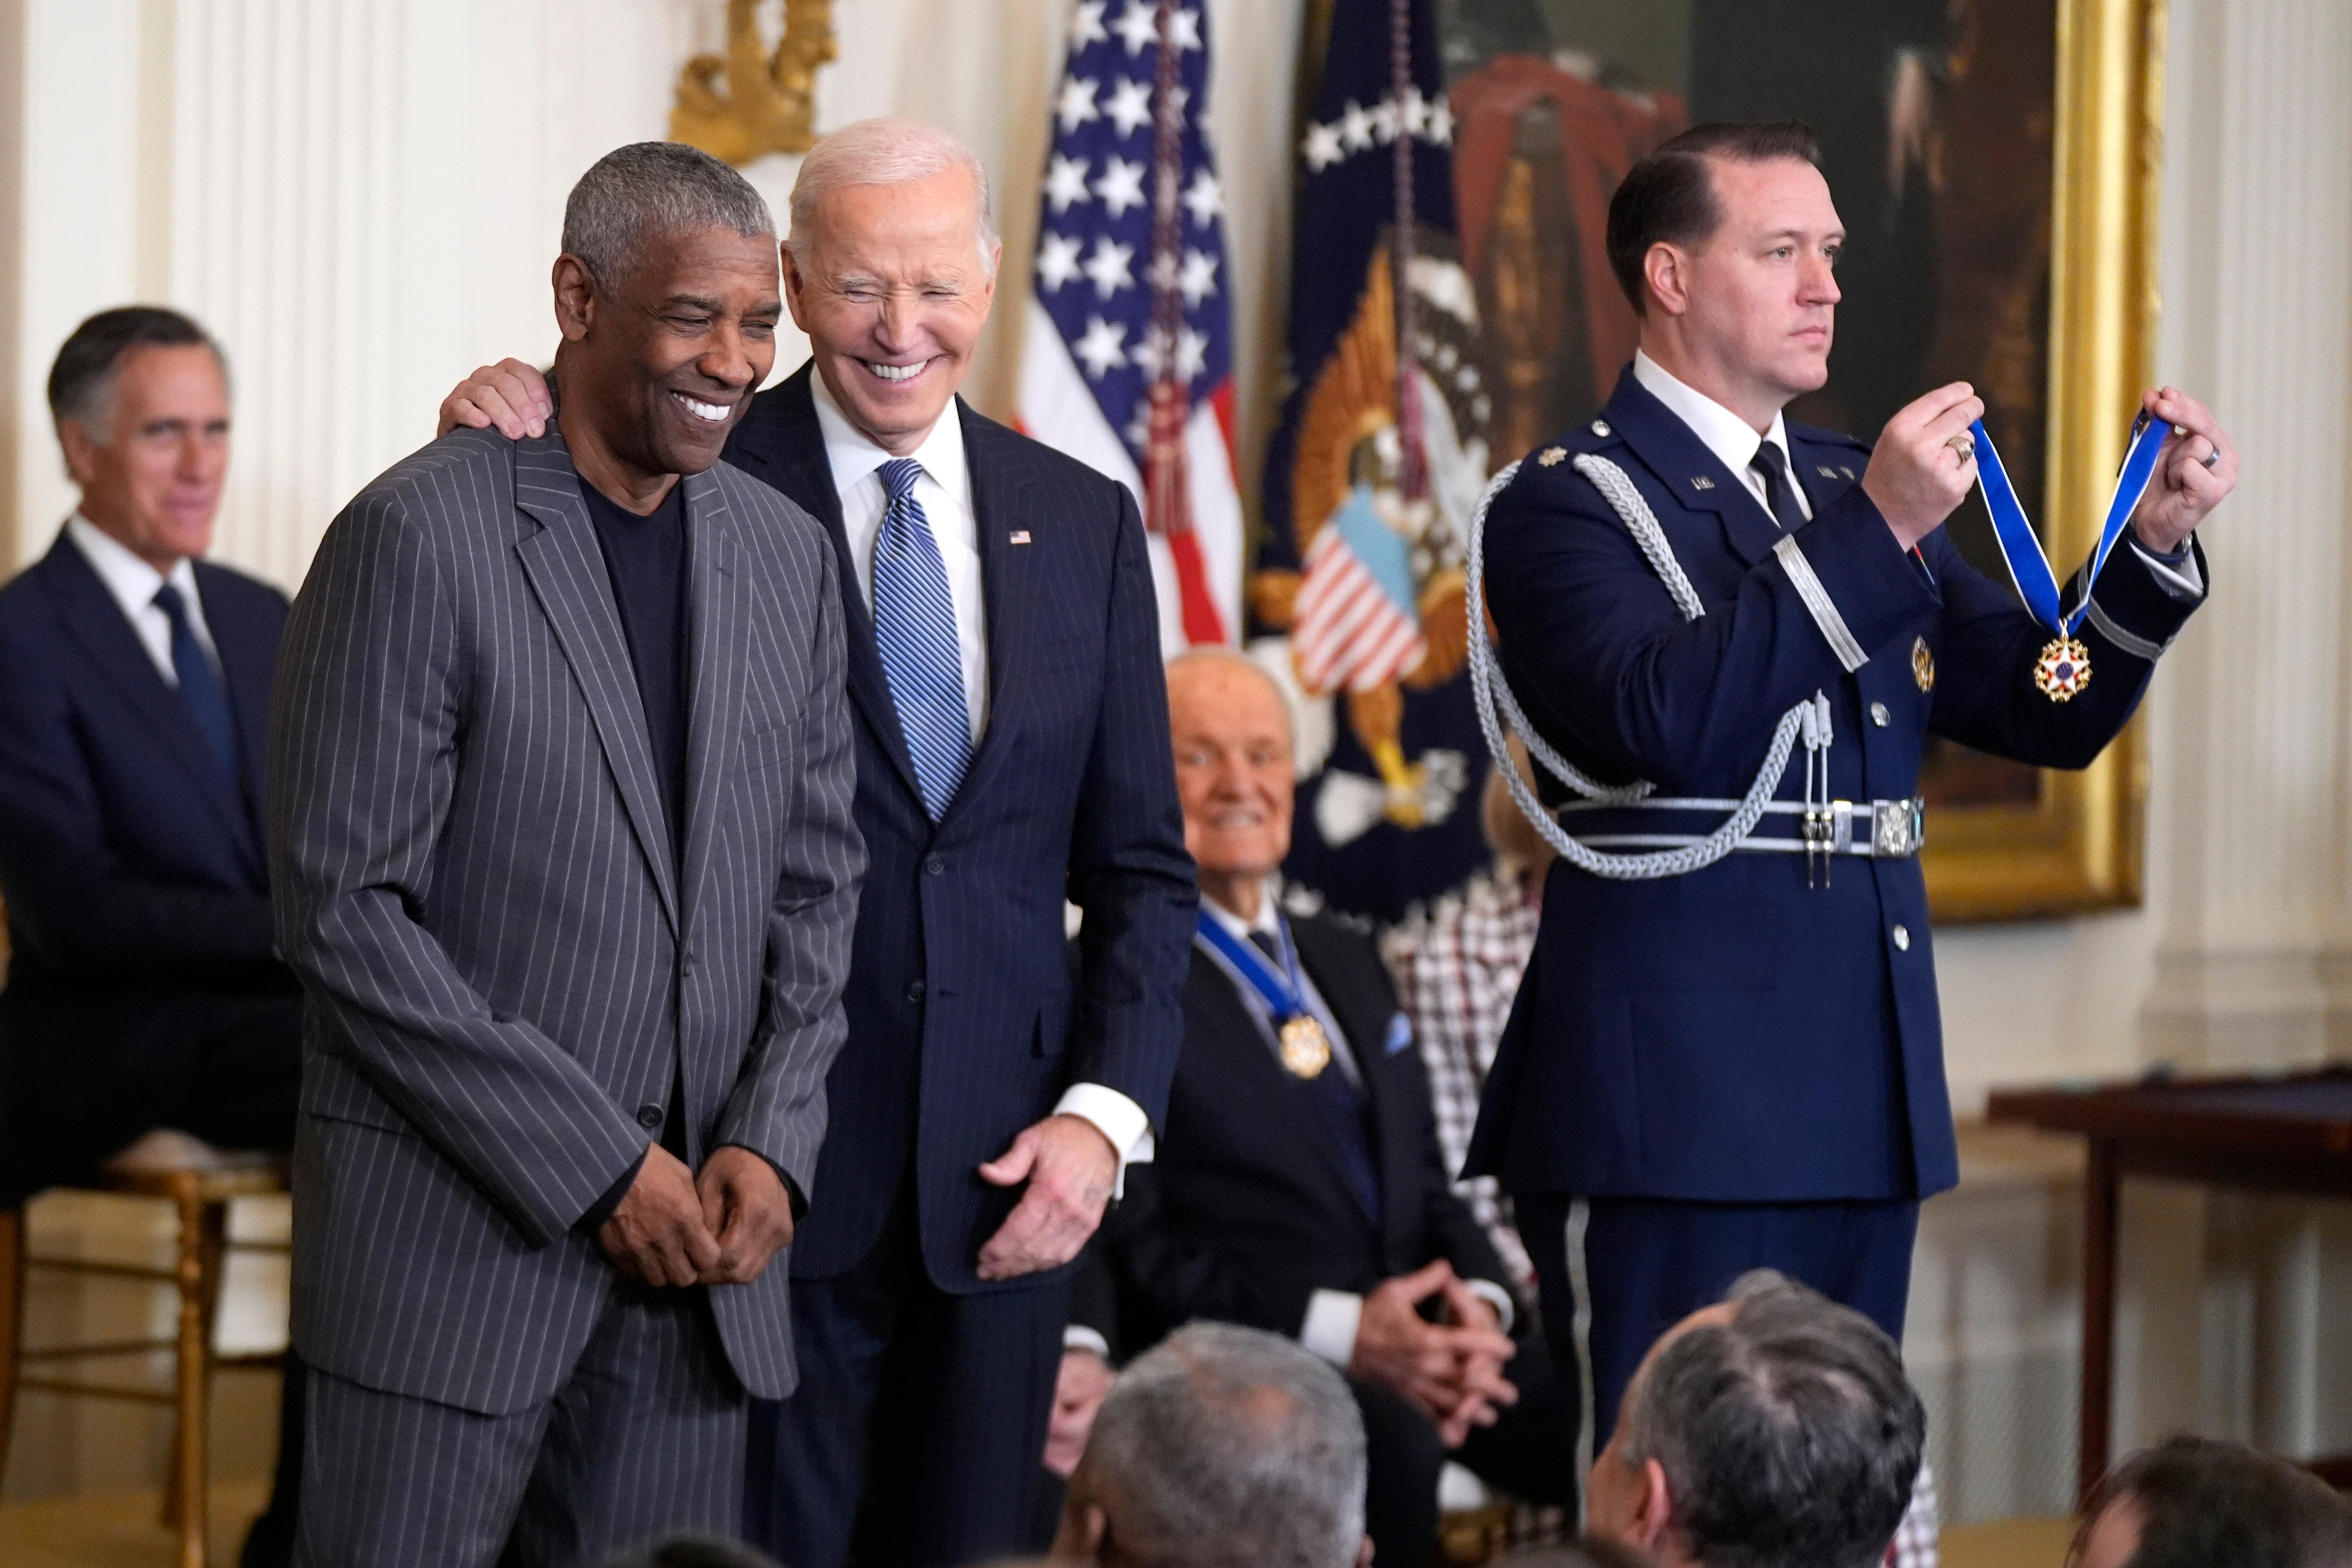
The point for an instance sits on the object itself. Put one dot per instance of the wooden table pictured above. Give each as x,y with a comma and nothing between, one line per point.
2291,1134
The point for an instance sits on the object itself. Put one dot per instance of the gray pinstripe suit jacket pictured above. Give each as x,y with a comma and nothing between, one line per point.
477,885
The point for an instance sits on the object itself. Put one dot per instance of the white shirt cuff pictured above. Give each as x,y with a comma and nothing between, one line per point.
2183,582
1078,1337
1329,1331
1119,1118
1506,1309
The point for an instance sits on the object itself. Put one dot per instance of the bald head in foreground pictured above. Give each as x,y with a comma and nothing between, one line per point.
1012,751
561,839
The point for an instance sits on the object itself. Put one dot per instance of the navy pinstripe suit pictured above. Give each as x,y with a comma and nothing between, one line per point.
965,1024
508,966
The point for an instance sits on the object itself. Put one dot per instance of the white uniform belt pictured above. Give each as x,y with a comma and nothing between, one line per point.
1878,829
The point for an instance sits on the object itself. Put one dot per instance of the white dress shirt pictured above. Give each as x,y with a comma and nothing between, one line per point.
1332,1316
1734,443
944,490
133,585
1731,438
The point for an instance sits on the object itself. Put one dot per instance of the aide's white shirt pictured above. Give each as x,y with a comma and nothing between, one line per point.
944,490
133,585
1731,438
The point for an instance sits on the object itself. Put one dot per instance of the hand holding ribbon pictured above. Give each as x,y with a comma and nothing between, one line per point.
2180,501
2196,470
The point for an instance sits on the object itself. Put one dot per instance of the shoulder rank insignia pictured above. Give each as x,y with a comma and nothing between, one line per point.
1923,665
1846,471
1550,456
1701,482
1826,470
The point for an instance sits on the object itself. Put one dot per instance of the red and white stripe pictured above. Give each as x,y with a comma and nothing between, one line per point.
1348,633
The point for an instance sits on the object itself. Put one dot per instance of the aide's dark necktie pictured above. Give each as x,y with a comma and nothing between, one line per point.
1786,511
1339,1106
915,632
200,688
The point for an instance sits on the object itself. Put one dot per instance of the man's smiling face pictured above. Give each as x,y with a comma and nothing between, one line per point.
893,289
675,349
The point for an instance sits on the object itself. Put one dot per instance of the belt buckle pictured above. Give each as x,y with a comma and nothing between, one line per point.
1898,827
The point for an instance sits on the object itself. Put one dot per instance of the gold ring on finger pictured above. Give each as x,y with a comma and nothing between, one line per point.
1964,444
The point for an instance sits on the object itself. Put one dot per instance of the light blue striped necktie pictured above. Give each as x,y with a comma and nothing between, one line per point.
915,631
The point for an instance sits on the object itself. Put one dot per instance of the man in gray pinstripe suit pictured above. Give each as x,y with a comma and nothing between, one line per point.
562,823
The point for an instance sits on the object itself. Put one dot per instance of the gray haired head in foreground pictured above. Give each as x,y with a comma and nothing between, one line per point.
1232,1448
648,188
1790,1436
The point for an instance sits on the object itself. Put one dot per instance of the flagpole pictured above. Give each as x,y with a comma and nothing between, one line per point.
1412,468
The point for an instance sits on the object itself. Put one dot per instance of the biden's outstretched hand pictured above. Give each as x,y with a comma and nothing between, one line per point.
510,396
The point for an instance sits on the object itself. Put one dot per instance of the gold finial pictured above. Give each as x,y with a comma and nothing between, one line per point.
769,104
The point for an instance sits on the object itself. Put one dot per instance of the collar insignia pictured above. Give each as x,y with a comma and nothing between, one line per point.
1701,482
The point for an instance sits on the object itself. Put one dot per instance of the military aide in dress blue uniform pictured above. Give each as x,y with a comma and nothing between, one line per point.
1742,1064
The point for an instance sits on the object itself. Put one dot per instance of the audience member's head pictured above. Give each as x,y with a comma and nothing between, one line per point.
1773,1430
1221,1447
891,270
141,399
2192,1502
666,293
1231,726
695,1551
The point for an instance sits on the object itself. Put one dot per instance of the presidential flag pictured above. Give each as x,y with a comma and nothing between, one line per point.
1372,474
1126,363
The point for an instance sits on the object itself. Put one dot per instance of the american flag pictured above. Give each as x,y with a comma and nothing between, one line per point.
1357,626
1128,358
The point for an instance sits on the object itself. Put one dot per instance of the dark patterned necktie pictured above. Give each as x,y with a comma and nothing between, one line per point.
200,688
1786,511
915,631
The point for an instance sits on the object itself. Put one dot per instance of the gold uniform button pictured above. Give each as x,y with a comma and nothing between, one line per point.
1878,714
1902,939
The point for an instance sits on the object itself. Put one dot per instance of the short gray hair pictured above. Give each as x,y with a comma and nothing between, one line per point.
1232,1448
1203,656
648,188
883,151
1790,1436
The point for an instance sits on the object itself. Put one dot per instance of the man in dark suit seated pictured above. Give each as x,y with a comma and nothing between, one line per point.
134,702
1299,1186
144,1005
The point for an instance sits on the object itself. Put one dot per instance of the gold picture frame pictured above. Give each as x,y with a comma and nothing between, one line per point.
2078,845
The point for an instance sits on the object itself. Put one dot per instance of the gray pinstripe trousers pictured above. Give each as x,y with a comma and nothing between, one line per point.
643,1440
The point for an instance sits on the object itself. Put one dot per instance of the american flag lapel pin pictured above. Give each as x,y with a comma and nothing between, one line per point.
1020,536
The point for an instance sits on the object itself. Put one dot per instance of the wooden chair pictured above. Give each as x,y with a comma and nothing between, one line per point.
199,1183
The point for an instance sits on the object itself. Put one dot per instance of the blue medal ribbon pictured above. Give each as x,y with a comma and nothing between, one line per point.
2029,568
1284,996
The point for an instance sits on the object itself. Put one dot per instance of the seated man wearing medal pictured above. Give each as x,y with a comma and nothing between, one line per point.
1298,1186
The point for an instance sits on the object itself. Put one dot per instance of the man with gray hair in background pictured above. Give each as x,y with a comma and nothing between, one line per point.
561,836
1221,1447
1012,751
1774,1430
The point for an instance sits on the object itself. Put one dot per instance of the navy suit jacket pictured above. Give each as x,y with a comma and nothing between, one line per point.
965,1024
131,870
1246,1213
1733,1034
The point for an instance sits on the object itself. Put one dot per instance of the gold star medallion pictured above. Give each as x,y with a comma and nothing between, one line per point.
2062,670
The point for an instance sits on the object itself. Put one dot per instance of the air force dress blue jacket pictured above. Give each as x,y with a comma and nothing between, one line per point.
1733,1034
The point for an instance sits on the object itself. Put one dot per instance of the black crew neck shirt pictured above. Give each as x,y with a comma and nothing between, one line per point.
646,557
